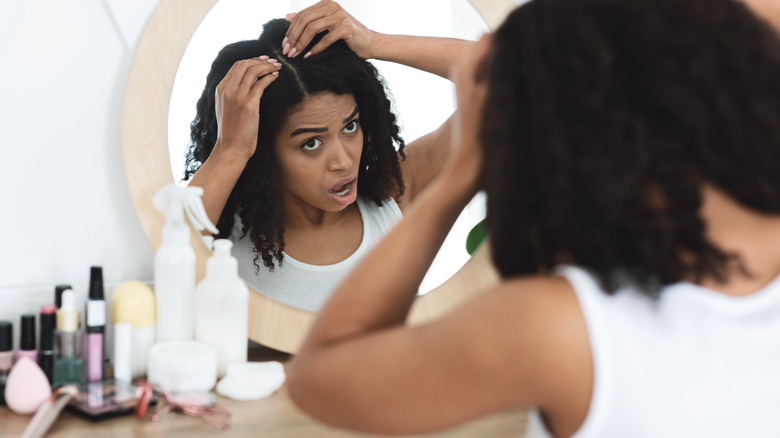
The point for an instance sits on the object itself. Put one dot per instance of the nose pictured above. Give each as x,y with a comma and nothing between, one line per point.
340,157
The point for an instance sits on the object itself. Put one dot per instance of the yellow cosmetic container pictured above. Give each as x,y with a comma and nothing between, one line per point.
133,302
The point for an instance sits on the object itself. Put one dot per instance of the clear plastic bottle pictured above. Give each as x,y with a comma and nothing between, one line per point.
221,308
174,263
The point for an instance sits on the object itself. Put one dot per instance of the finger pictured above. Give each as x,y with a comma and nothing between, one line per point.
330,23
235,74
302,20
290,16
256,93
257,71
329,38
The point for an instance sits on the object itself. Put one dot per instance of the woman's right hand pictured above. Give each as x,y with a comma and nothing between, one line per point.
237,102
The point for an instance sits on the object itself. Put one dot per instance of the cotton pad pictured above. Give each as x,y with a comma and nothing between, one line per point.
251,380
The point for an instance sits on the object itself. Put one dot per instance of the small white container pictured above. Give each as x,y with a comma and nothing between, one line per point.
183,366
221,308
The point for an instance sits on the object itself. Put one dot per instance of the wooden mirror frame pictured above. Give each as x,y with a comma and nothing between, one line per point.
148,167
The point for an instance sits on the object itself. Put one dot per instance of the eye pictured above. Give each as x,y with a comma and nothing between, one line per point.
311,144
351,127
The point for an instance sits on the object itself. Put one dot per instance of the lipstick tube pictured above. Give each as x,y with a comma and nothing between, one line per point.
46,356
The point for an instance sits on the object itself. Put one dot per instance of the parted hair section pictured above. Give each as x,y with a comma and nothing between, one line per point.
257,196
603,119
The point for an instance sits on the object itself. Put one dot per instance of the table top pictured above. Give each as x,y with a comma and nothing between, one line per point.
270,417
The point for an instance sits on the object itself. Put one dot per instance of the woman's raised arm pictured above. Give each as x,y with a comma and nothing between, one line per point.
237,107
432,54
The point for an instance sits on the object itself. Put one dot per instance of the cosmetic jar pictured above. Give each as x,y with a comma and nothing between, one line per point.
183,366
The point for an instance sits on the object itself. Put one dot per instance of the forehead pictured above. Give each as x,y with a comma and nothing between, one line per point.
321,109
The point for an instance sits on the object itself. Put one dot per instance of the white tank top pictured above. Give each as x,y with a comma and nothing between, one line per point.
306,286
695,363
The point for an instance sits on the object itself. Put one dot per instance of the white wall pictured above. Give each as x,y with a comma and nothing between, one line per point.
64,203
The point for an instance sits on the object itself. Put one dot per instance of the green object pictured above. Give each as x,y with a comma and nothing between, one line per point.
476,237
68,371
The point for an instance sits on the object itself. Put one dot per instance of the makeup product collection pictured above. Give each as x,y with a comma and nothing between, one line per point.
180,338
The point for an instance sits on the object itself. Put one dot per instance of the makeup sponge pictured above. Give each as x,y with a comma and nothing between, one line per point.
251,380
26,388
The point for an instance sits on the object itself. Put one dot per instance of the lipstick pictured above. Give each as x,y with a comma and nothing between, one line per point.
96,325
46,356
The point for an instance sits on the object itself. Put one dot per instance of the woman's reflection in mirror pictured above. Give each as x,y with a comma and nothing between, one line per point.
298,150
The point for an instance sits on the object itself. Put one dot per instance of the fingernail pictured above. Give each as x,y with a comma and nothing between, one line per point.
278,64
272,60
263,57
306,55
292,52
275,73
284,41
285,48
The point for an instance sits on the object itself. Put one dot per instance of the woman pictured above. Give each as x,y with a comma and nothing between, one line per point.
632,169
295,146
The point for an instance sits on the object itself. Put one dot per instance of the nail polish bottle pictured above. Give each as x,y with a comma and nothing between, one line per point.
46,357
6,355
27,340
68,363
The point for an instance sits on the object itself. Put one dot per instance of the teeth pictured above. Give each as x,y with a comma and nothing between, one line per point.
343,192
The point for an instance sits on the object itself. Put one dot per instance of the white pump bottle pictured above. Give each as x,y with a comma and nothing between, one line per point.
174,263
221,308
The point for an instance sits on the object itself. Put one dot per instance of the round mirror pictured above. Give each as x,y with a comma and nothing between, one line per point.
148,160
235,20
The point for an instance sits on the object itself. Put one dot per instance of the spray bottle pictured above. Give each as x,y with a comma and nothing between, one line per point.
221,308
174,263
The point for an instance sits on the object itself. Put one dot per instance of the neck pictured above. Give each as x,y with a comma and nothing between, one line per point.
302,216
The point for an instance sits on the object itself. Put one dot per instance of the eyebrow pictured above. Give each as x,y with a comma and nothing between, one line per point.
300,131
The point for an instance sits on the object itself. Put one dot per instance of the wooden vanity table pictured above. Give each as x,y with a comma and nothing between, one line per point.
271,417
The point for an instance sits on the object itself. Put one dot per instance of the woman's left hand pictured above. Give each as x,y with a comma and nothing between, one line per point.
469,75
325,15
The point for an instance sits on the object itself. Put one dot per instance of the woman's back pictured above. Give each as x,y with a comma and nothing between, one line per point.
694,363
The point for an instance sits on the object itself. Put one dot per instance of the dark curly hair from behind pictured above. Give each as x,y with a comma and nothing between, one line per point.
604,118
257,196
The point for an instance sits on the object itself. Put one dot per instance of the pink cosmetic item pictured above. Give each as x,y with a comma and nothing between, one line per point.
48,412
96,325
27,387
27,340
6,355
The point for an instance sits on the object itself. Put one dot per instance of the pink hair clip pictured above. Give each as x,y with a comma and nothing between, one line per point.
213,415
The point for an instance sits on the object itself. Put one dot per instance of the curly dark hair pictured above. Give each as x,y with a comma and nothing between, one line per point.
603,119
257,196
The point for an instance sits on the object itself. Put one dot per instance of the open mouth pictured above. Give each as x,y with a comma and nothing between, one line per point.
343,190
343,186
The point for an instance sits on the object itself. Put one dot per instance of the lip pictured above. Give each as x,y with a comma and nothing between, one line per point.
341,182
350,197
